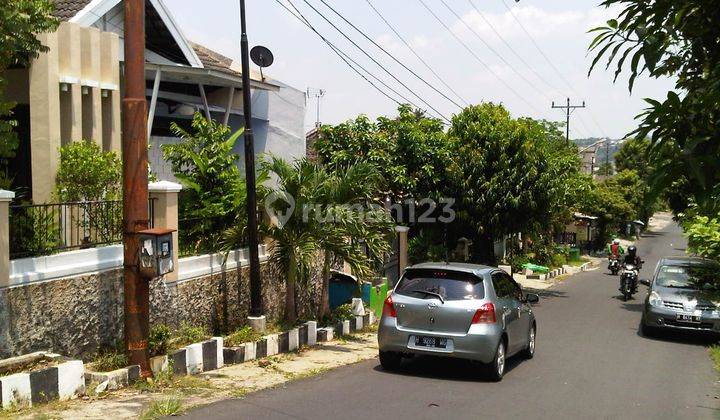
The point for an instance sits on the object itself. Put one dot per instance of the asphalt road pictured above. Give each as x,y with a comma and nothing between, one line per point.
591,362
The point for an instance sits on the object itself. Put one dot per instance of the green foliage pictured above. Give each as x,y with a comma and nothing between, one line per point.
633,155
214,195
676,39
35,230
410,151
109,360
426,246
607,202
87,173
20,22
163,408
188,334
606,169
510,174
703,234
243,335
159,340
343,313
322,221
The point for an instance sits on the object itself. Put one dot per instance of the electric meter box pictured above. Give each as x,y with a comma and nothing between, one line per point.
156,252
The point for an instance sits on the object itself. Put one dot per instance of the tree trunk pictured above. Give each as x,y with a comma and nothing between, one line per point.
290,313
325,292
487,249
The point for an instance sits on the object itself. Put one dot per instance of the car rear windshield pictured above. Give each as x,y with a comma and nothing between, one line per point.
688,276
451,285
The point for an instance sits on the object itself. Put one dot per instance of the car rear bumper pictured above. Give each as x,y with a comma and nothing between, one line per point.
478,344
666,318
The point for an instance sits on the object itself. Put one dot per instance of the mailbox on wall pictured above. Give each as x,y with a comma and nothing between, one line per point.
156,252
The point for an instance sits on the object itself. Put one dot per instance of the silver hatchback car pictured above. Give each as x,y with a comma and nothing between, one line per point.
465,311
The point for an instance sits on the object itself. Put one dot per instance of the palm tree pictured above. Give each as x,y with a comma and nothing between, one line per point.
304,233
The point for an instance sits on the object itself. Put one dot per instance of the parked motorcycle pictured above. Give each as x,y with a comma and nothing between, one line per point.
628,281
614,266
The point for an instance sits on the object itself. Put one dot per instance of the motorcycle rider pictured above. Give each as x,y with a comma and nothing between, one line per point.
632,258
614,251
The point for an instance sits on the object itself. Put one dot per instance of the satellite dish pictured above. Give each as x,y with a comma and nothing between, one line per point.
261,56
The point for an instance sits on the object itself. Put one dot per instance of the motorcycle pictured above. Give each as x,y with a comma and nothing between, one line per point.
628,281
614,265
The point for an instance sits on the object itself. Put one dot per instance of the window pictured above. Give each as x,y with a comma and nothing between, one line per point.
687,276
504,286
451,285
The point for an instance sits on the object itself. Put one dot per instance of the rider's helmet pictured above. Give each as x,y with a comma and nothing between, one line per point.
632,251
616,241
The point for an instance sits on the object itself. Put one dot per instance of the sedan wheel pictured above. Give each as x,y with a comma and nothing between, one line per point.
390,360
530,350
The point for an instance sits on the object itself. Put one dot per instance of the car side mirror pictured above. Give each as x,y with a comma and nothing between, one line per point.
645,282
532,298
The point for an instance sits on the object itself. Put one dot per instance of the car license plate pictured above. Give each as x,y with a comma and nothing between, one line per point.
694,319
437,342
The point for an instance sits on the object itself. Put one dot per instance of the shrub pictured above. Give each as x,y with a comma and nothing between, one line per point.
159,340
243,335
558,260
109,360
86,173
187,334
516,262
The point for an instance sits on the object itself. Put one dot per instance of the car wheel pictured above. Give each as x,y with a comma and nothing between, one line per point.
646,330
530,350
496,369
390,360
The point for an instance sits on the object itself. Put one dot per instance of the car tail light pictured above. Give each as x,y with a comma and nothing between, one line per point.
485,315
389,308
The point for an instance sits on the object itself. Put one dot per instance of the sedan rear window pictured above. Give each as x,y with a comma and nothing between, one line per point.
450,285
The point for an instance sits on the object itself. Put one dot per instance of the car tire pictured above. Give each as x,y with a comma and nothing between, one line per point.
496,369
646,330
390,360
529,352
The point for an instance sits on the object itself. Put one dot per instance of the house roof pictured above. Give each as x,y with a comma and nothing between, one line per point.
67,9
213,60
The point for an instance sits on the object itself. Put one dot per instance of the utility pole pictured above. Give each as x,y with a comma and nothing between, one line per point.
135,187
257,320
318,93
569,109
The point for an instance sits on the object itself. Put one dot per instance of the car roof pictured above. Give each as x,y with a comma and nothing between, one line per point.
454,266
681,260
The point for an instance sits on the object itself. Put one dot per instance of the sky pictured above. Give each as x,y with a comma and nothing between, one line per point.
501,63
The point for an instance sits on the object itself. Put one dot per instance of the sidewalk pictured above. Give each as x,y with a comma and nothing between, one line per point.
536,284
184,392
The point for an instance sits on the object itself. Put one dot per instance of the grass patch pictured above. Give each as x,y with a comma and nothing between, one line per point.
715,356
187,334
162,408
578,263
108,360
243,335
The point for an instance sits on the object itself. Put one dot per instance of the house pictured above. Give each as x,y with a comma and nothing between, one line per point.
74,92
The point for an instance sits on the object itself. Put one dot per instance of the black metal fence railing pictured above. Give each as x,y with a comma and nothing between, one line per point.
44,229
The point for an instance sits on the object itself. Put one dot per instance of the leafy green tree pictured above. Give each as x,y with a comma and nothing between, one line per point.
307,230
607,203
87,173
633,155
605,169
703,235
20,22
677,39
410,151
495,172
214,192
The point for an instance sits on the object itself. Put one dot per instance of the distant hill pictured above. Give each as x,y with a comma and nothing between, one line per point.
615,145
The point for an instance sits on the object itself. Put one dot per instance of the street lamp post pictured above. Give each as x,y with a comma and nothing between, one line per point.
256,304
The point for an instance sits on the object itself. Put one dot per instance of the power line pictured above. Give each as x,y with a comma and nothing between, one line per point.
418,56
548,60
375,61
493,50
347,59
361,32
480,60
510,47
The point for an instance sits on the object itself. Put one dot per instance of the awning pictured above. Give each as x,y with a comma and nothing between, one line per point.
209,77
